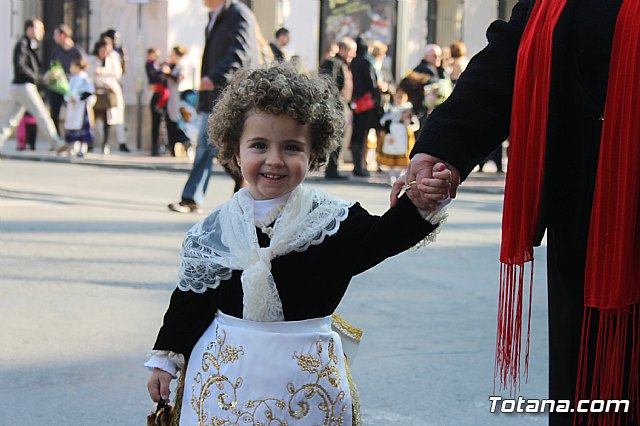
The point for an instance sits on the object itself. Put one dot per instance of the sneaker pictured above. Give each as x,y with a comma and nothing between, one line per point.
124,148
185,207
106,150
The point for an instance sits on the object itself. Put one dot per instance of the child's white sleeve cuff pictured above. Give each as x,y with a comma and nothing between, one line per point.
436,216
167,361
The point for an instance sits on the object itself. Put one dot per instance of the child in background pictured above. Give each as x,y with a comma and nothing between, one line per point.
174,74
399,124
79,115
26,133
274,263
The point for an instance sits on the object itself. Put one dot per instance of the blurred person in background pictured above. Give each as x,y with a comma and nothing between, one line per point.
363,105
158,88
231,43
281,41
105,69
64,52
24,89
459,60
339,70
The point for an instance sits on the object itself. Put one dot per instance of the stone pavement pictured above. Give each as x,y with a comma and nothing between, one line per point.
477,182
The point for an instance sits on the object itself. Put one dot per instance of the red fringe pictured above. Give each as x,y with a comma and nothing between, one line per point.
610,361
509,330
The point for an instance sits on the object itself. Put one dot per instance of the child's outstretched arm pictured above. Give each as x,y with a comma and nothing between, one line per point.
158,385
437,187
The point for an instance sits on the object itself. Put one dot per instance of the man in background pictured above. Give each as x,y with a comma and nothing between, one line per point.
338,67
65,51
281,41
231,44
24,89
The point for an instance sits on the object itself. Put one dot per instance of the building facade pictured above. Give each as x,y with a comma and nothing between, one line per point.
406,24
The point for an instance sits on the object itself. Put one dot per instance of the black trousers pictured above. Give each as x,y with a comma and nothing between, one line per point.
361,126
156,121
570,175
56,101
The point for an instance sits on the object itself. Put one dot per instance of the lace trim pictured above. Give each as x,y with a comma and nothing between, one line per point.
176,358
227,240
436,217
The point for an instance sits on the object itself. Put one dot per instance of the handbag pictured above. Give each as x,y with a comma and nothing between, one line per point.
363,103
163,416
105,99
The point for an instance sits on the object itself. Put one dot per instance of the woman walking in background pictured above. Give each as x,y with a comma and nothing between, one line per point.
106,71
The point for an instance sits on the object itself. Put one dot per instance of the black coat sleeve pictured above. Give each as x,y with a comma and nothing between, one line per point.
475,119
371,239
188,316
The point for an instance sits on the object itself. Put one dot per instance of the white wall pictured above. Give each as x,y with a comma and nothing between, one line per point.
416,27
7,43
478,14
302,19
186,22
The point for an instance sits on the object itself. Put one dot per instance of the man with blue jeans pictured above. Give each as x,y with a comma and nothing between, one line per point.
196,186
231,44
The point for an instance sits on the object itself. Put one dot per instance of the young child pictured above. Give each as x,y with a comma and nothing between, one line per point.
261,275
397,137
174,74
80,100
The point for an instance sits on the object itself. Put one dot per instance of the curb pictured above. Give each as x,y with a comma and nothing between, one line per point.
476,183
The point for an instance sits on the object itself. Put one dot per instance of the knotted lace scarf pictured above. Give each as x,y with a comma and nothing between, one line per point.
226,240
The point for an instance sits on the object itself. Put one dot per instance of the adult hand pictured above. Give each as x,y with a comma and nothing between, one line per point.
158,385
206,84
420,169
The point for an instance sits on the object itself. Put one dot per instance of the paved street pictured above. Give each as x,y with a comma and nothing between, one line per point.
88,258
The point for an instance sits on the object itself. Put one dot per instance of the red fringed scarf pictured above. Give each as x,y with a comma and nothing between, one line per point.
612,276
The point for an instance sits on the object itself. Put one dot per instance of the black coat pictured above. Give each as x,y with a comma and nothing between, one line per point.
230,45
26,64
310,283
475,119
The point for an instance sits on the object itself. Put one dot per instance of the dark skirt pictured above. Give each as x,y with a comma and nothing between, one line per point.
85,134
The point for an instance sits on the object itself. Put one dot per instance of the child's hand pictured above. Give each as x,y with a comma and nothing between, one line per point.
158,385
436,188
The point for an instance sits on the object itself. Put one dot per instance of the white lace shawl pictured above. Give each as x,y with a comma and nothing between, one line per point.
227,240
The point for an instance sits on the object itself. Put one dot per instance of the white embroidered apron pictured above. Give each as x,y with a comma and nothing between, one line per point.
247,373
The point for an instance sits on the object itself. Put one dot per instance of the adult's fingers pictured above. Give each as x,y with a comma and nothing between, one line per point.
420,200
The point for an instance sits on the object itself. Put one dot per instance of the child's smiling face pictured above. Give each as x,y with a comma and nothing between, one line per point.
274,154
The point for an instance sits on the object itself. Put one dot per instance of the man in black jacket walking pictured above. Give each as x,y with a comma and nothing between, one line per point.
231,44
24,90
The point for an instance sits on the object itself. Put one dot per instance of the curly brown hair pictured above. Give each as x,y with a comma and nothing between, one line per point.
277,89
